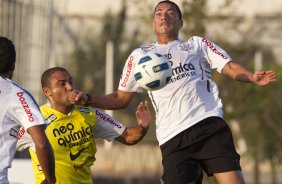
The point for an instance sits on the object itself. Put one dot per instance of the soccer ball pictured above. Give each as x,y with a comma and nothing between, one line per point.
153,71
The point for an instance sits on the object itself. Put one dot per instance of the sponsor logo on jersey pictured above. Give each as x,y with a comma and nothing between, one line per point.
181,71
147,48
51,118
21,133
107,119
25,106
76,155
128,71
68,136
213,48
84,109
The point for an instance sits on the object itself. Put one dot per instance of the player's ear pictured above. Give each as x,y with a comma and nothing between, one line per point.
181,24
46,91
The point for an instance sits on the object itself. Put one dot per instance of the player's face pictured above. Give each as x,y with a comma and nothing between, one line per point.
166,20
59,88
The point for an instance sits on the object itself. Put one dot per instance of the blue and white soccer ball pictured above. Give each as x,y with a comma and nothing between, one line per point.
153,71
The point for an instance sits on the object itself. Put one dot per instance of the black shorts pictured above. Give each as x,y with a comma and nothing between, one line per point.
207,146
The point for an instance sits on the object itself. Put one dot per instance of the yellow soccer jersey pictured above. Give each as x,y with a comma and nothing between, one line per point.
71,137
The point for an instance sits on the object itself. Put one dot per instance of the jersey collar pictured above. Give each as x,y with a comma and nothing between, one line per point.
170,43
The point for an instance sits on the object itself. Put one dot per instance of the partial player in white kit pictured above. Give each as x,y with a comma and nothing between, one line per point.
18,108
191,131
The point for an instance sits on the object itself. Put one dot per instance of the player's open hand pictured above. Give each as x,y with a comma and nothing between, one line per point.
143,114
262,78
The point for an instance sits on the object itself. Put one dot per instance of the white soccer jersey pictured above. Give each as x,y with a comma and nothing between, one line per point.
191,94
106,127
17,109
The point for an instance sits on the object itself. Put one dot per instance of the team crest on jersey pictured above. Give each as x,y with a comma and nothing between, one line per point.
84,109
188,47
51,118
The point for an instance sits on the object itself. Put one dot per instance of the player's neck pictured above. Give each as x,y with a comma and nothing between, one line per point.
62,108
166,39
7,75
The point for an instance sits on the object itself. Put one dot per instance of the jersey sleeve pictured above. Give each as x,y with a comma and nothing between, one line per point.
25,110
214,54
24,140
106,126
127,81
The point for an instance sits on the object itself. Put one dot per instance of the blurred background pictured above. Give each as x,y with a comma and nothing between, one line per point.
82,35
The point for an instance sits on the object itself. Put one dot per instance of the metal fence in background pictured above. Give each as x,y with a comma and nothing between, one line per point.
34,27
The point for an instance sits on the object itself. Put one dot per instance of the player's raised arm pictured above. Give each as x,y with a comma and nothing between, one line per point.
117,100
113,101
239,73
133,135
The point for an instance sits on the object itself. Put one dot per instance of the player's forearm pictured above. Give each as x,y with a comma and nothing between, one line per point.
238,72
110,102
113,101
133,135
47,162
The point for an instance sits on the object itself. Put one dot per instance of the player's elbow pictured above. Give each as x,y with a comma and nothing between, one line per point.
129,139
43,145
123,99
131,142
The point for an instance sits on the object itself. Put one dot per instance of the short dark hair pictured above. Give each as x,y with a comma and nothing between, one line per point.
7,55
172,3
45,77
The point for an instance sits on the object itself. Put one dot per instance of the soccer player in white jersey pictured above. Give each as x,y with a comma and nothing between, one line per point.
191,131
72,129
18,109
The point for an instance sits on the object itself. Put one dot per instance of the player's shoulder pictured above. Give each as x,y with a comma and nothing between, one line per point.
198,42
143,49
195,39
48,113
201,40
10,89
140,51
7,85
45,107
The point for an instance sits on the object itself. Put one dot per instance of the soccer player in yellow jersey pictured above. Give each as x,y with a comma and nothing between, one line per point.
72,129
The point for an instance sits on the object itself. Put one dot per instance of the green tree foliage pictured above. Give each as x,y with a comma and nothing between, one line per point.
194,16
257,109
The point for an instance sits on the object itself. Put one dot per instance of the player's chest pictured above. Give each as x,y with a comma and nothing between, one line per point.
68,132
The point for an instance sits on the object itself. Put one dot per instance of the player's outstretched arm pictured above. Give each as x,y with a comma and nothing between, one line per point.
133,135
116,100
113,101
44,151
239,73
